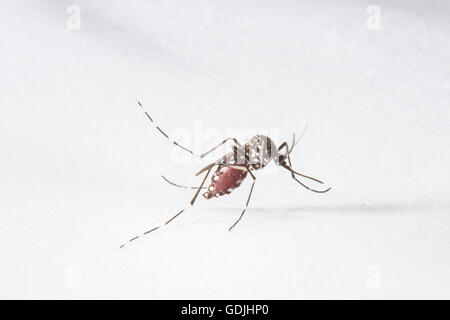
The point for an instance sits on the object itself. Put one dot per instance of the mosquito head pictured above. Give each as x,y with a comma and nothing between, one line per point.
282,159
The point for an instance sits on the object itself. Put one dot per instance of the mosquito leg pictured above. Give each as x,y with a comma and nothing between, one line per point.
193,199
283,145
198,190
225,160
170,220
222,143
310,189
180,186
305,186
179,145
286,146
294,142
303,175
293,173
248,200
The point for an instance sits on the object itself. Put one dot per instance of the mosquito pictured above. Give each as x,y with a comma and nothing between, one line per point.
232,169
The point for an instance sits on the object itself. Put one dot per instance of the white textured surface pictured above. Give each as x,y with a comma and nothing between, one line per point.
80,166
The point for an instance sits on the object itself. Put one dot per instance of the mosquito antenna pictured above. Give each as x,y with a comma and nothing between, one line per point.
295,142
181,186
164,134
154,229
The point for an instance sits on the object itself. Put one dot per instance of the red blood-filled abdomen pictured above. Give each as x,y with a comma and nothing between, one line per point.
224,180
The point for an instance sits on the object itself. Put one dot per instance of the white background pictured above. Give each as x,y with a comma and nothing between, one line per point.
80,164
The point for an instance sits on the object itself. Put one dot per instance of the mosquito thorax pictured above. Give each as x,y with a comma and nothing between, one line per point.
262,150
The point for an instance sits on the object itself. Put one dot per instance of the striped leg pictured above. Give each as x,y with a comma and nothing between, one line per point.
179,185
248,200
171,219
179,145
293,173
